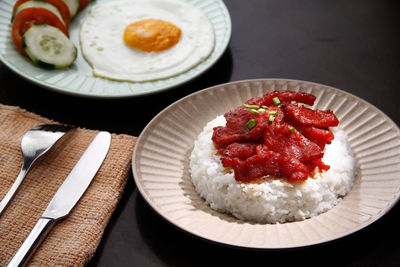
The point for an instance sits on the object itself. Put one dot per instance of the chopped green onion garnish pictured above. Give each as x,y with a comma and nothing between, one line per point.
292,129
276,101
254,111
274,112
261,109
250,124
271,119
264,106
251,106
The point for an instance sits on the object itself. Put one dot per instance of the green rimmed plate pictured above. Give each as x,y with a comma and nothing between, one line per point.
78,79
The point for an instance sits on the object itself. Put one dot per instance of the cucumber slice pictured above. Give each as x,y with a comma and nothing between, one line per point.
39,4
48,47
73,6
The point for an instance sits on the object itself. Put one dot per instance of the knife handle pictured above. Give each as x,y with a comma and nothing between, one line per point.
36,236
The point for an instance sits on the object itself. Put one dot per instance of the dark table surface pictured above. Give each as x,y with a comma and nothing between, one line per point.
353,45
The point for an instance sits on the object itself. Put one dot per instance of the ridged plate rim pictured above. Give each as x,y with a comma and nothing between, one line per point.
78,79
285,231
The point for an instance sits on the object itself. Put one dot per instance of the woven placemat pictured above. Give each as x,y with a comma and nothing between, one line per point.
74,239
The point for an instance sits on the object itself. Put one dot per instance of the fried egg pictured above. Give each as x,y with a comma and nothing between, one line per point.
143,40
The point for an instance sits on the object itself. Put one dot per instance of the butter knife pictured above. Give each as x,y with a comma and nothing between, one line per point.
66,196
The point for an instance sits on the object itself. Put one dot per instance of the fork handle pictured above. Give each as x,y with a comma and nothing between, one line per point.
4,202
36,236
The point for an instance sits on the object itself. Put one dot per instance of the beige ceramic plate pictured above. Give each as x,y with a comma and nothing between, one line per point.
160,167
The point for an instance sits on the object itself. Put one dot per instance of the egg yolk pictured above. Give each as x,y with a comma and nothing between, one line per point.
151,35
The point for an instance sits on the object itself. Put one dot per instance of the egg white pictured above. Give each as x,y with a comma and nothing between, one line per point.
102,44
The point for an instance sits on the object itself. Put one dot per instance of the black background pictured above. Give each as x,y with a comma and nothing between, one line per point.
347,44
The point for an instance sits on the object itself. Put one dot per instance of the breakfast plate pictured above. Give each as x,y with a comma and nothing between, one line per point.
78,79
160,165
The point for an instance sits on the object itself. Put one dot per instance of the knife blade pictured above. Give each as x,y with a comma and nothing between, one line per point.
66,196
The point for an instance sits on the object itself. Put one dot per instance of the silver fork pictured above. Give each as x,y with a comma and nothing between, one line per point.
35,143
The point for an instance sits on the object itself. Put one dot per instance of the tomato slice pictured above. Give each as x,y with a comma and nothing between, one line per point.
59,4
28,17
83,4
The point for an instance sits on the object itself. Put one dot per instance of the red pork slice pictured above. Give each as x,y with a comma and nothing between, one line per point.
237,150
280,138
306,116
316,163
236,130
269,163
317,135
256,166
283,96
293,168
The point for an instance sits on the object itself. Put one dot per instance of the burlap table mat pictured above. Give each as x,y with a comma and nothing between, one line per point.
74,239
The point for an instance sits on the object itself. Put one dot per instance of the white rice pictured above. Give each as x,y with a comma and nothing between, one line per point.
275,200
